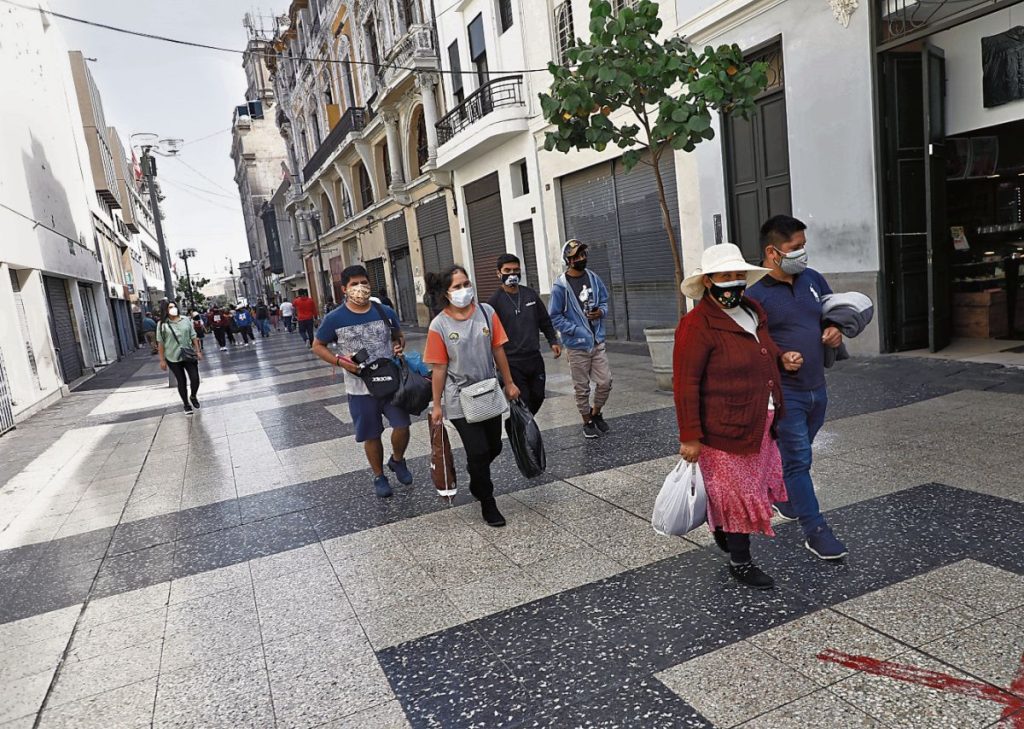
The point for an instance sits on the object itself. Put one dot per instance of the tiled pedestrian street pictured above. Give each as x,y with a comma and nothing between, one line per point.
234,569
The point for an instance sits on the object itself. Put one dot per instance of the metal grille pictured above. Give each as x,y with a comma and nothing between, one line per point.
565,34
772,56
501,92
91,323
903,18
6,400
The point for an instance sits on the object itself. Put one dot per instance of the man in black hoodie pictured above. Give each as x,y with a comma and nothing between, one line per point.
524,317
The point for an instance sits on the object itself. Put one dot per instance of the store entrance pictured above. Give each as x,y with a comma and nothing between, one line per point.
915,244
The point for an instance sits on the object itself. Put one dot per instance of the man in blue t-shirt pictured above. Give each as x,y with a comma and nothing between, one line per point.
791,294
356,325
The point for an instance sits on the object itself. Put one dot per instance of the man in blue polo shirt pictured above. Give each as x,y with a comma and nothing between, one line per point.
791,294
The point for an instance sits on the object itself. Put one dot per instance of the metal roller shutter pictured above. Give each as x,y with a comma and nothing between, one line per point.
6,399
62,329
375,270
529,253
648,268
588,209
486,233
396,234
435,236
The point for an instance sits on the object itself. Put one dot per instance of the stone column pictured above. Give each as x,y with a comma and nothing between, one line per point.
394,147
427,83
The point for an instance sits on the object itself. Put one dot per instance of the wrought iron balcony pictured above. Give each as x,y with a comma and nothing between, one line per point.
495,94
417,43
353,120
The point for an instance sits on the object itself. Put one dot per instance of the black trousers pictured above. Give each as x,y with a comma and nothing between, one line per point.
222,336
180,369
246,334
482,442
307,328
736,544
529,375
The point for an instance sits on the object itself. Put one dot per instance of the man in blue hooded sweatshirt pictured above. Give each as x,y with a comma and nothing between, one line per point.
578,306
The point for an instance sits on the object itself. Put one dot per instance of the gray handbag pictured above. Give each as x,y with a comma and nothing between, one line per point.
483,400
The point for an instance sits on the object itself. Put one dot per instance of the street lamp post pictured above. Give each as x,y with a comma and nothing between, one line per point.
184,254
166,148
234,286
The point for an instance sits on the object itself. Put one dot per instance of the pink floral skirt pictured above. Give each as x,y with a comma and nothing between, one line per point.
742,488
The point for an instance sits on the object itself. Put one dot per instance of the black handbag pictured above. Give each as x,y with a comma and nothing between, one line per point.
414,391
188,354
381,378
524,437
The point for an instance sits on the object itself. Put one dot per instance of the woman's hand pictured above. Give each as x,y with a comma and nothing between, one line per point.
199,354
163,365
398,348
690,451
792,361
511,391
436,415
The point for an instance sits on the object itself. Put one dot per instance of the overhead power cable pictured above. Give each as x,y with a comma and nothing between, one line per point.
41,224
208,136
208,201
223,49
205,177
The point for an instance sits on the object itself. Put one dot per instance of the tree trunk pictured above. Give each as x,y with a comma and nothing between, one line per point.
666,221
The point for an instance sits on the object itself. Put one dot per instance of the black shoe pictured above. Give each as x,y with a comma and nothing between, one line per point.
590,430
719,536
188,410
490,513
751,575
195,402
598,420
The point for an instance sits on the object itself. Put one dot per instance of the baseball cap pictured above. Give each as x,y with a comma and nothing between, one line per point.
572,248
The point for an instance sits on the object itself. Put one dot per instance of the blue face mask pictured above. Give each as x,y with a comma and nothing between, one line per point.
729,293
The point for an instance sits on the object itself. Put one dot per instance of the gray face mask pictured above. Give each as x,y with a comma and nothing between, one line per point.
794,262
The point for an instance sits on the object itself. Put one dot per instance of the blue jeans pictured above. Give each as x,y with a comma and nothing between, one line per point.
804,416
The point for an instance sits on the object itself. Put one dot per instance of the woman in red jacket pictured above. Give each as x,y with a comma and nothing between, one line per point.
727,393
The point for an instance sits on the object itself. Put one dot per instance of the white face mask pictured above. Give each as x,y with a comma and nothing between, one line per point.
462,297
172,311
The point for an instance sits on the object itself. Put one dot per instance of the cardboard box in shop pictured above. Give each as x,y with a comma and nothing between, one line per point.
980,315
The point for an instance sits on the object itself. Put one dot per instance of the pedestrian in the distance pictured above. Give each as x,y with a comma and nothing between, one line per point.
465,344
275,316
220,323
728,395
199,324
175,333
288,314
361,324
791,294
305,313
149,331
243,320
232,325
524,317
262,318
578,307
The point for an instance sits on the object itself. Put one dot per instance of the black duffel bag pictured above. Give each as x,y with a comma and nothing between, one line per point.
524,437
381,377
414,391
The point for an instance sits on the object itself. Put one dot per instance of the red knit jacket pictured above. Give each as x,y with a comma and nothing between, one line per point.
722,377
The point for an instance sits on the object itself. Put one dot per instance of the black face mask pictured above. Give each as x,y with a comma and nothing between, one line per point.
511,279
728,294
580,265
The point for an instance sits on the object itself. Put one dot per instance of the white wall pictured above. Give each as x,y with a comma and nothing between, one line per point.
830,119
964,104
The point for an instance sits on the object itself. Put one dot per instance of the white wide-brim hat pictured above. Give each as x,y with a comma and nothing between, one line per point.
719,259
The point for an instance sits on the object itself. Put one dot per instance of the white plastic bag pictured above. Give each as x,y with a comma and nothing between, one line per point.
682,503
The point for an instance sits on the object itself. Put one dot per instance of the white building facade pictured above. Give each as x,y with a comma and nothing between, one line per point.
58,328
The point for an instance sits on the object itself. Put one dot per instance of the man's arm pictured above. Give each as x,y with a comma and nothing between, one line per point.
559,320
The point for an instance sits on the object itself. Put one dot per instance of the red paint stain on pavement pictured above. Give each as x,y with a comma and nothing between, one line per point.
1011,698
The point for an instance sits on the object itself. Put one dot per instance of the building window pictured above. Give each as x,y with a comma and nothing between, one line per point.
565,35
478,49
365,187
520,179
410,13
325,79
422,148
371,44
346,74
619,5
505,14
346,203
314,121
325,205
458,92
304,143
386,163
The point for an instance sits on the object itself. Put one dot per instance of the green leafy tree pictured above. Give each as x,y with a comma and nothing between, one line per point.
188,290
668,89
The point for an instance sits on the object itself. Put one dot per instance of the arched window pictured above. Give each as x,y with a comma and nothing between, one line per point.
365,187
328,211
422,148
565,34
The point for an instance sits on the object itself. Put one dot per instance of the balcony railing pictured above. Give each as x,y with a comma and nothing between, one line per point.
495,94
353,120
418,42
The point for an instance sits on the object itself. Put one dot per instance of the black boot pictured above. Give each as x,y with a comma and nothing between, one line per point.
719,536
490,513
751,575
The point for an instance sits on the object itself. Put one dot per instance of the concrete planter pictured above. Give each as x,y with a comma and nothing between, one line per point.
660,341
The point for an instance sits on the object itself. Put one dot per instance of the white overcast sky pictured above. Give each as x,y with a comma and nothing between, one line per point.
176,91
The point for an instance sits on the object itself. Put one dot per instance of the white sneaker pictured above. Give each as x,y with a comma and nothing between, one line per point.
223,349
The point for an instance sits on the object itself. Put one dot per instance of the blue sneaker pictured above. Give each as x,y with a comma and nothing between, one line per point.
784,511
401,470
823,544
381,486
